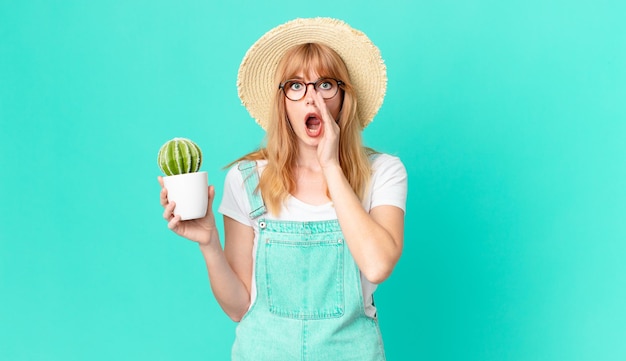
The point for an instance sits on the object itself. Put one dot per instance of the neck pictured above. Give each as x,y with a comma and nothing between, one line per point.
307,158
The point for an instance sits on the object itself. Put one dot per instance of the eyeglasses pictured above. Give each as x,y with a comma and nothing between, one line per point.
295,89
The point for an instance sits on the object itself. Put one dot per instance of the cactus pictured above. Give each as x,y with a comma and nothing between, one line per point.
179,156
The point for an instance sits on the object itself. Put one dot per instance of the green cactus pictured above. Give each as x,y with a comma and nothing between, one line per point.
179,156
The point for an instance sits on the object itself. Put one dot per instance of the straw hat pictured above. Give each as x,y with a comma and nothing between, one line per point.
365,65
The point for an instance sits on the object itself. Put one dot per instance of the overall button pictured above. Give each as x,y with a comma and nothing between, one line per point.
262,224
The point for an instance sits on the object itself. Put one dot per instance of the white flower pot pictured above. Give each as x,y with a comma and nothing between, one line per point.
189,192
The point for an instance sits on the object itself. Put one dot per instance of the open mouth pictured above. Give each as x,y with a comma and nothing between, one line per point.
313,125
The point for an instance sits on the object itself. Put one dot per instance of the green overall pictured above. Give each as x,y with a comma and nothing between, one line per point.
309,303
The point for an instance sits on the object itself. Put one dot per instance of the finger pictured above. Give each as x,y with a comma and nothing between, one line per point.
168,212
160,179
173,223
163,197
329,124
327,118
211,196
321,104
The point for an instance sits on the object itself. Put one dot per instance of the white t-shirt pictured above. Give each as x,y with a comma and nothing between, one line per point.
388,187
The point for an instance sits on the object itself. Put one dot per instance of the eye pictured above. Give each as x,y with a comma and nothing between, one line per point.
296,86
325,84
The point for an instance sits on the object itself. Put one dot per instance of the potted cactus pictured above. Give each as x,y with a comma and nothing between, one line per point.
180,160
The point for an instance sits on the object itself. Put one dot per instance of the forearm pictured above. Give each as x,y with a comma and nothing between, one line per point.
228,289
373,247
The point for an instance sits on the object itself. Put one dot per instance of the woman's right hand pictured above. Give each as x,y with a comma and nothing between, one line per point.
202,231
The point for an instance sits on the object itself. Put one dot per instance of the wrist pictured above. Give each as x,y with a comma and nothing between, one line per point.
332,167
210,242
210,250
333,174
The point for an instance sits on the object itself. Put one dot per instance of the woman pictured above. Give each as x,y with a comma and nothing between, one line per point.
314,220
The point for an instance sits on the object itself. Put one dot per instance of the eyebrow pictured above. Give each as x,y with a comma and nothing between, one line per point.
302,79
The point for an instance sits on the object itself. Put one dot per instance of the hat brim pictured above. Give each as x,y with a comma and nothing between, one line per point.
255,80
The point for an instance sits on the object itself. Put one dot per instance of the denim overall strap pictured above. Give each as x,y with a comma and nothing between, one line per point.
250,175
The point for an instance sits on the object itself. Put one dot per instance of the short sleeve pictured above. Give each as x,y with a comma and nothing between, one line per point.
389,182
234,199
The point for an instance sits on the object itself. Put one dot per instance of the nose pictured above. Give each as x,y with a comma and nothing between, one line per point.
309,96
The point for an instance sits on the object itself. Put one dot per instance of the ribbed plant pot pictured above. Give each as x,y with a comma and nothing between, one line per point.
190,193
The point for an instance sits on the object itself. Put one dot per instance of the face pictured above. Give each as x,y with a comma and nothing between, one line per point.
305,115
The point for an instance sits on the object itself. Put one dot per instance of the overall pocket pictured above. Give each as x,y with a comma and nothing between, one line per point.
305,278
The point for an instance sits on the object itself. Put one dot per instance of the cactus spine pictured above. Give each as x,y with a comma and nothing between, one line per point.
179,156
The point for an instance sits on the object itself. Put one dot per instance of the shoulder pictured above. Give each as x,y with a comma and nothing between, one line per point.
235,203
389,182
385,163
236,172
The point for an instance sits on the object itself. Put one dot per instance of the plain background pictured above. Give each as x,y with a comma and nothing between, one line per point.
509,115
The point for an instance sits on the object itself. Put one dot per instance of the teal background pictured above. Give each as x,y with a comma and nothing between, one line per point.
509,115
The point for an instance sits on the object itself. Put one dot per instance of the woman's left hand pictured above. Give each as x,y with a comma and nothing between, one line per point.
328,148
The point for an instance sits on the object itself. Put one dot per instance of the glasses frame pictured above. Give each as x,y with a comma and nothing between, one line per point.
281,86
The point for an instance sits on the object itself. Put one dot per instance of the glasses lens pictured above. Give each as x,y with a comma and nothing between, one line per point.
294,89
327,87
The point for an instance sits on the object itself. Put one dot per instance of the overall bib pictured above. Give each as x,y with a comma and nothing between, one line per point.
309,302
